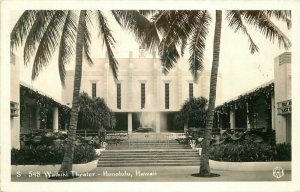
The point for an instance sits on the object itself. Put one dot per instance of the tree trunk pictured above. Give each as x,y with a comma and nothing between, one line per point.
204,162
66,166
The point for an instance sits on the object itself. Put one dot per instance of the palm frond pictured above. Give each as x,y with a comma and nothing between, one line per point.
168,58
109,41
183,47
261,21
22,28
141,27
177,32
283,15
147,13
49,42
236,22
36,33
87,38
197,43
67,44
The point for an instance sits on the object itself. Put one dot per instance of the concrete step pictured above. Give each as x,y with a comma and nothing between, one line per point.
125,152
153,143
124,148
123,155
147,145
148,153
147,159
149,150
145,164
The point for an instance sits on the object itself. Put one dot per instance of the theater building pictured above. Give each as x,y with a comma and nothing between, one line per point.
142,97
267,106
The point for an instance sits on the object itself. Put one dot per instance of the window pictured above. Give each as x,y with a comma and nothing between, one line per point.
94,90
191,90
119,95
143,95
167,102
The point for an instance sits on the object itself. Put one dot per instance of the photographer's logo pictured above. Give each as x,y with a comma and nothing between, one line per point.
278,172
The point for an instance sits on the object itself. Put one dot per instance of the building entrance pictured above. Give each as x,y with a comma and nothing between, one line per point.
288,128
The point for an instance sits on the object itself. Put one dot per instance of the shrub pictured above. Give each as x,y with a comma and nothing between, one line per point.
193,112
250,151
283,152
242,152
43,155
43,137
48,138
266,136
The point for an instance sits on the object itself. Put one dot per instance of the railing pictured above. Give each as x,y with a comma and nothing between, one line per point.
124,140
87,133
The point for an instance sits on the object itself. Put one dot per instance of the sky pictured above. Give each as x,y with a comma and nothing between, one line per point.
241,71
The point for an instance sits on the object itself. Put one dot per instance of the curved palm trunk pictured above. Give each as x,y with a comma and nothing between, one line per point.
204,162
66,166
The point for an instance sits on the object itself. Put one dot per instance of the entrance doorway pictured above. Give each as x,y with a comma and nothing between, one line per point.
288,128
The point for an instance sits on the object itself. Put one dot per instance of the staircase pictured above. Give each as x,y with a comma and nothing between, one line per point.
148,153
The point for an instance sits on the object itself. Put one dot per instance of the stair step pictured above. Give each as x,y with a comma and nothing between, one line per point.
150,150
147,154
149,160
122,152
148,164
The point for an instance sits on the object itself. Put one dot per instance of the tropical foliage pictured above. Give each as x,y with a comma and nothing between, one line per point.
242,152
44,103
251,152
45,155
94,113
193,112
49,138
265,92
248,146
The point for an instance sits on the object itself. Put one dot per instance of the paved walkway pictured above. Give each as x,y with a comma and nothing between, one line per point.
159,174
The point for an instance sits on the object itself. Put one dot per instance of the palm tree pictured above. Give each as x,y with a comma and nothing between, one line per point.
43,31
190,28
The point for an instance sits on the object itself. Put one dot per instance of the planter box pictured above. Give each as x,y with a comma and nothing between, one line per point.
98,151
79,168
249,166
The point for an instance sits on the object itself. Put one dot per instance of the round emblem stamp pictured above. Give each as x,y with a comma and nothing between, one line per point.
278,172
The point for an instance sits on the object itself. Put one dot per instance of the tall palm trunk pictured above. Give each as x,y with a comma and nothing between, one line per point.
66,166
204,162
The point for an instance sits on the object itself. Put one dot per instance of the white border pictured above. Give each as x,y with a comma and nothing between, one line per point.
7,6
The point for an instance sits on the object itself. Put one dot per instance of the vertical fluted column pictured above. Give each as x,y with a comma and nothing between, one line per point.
129,122
55,120
232,119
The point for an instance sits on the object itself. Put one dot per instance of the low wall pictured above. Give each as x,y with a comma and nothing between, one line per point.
79,168
249,166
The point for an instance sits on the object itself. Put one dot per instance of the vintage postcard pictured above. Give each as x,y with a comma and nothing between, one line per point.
150,95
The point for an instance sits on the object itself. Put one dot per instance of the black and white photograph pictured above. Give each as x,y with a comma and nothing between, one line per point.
112,95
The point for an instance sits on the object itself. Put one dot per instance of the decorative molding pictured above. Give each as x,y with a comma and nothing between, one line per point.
167,80
94,81
143,81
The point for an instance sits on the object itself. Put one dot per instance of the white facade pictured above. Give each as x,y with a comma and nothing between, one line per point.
282,99
132,73
15,101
